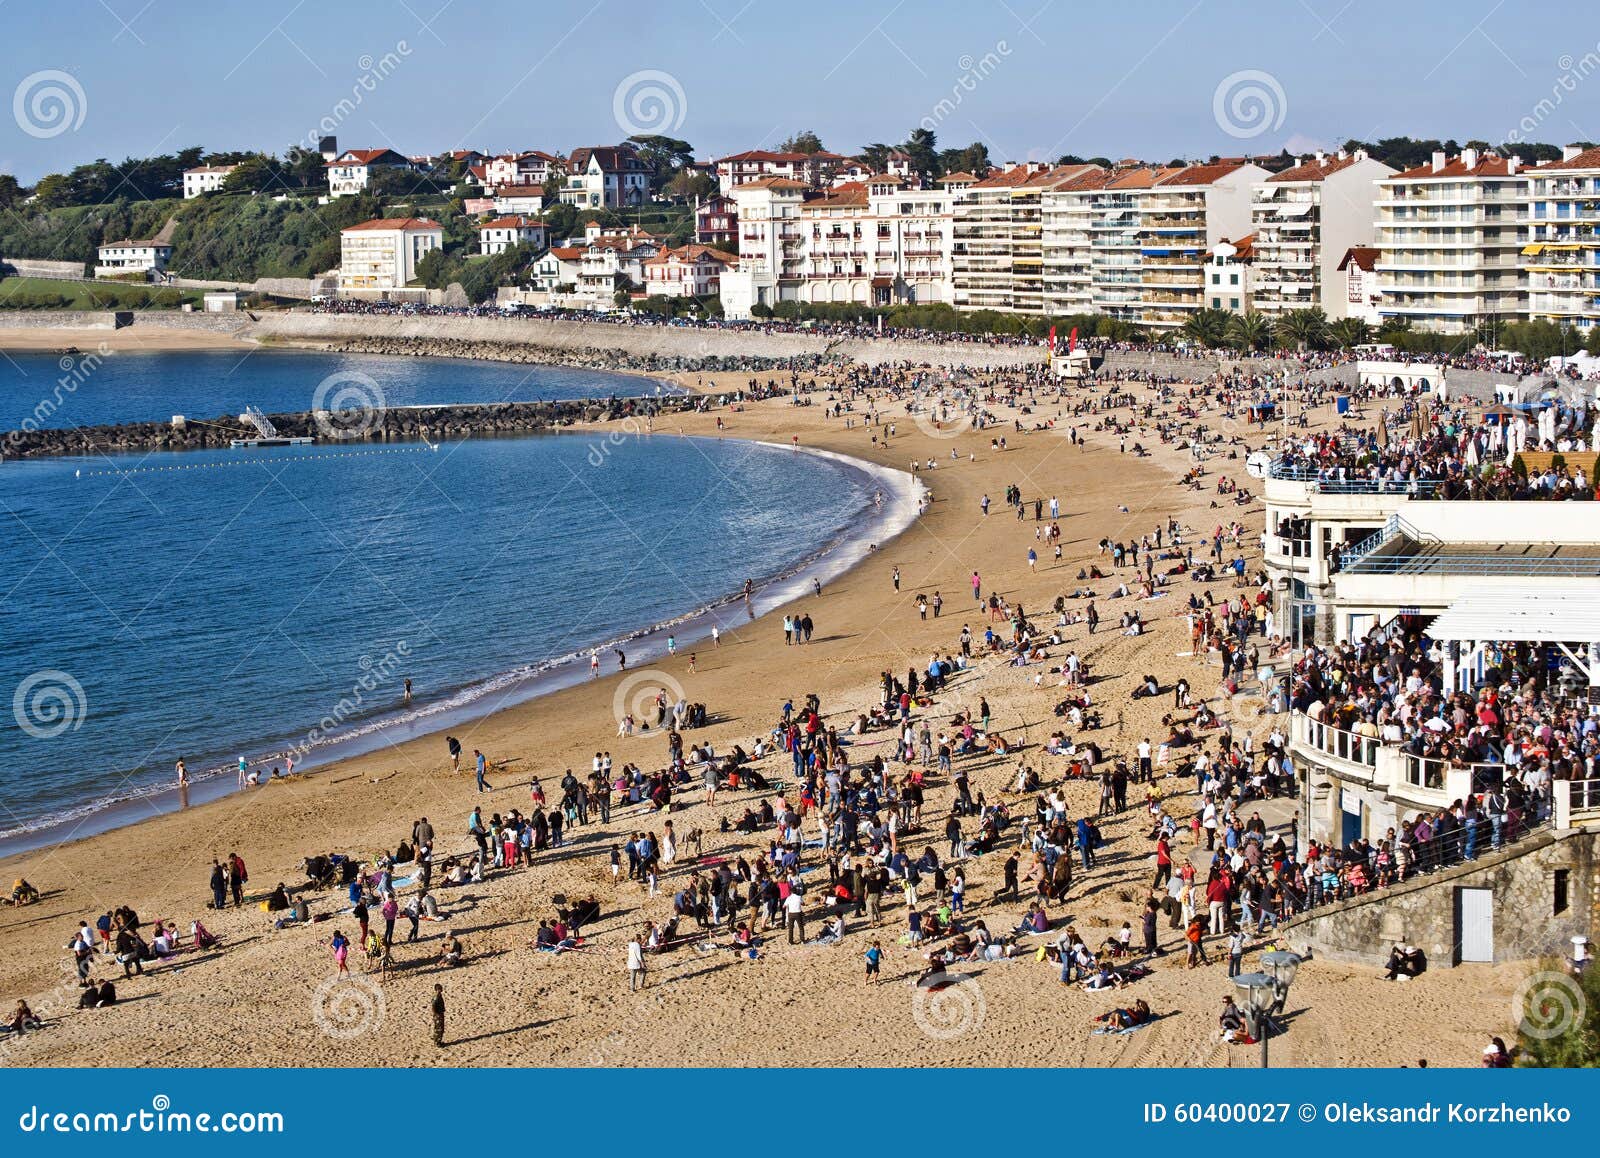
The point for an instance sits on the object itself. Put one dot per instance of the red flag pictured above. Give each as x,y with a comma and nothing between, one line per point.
1072,340
1052,339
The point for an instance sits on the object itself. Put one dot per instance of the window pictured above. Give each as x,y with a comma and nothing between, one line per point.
1561,883
1234,303
1233,279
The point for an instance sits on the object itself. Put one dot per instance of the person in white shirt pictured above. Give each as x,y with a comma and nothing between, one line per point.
635,965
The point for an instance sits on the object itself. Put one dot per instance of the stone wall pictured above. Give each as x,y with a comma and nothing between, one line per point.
1422,910
37,267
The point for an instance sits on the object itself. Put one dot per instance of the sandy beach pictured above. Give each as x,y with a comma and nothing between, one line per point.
257,1000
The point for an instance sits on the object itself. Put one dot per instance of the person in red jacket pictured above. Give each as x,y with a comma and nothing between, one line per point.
1163,862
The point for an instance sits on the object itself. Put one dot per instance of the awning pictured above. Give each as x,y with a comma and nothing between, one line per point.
1532,250
882,282
1565,613
1298,209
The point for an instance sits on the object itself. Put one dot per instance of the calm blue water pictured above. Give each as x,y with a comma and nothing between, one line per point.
213,604
135,387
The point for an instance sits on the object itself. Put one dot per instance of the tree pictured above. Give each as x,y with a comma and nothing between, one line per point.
1208,328
1348,333
10,191
687,185
973,159
876,156
1555,1000
923,149
1590,347
253,174
1304,329
1249,332
805,141
664,155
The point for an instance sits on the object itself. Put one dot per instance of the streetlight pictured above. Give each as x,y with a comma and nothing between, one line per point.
1263,993
1257,992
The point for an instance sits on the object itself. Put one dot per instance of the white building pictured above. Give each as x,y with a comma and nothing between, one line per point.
558,266
1305,220
1449,240
532,168
350,171
1561,260
881,243
772,246
690,271
383,254
501,233
996,254
1361,297
513,199
204,179
120,258
1230,276
610,177
1182,215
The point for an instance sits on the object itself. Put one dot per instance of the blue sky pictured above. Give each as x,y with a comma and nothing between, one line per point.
1031,78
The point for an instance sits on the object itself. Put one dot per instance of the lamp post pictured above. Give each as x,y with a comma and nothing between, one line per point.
1257,993
1265,993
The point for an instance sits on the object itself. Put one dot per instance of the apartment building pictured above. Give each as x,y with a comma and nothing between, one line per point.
1449,241
817,170
997,248
1305,219
383,254
1561,257
879,243
1068,211
1182,215
1230,276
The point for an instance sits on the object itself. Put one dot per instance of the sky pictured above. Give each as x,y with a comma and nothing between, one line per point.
1032,79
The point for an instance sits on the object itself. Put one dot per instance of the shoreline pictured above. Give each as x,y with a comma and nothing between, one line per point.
834,560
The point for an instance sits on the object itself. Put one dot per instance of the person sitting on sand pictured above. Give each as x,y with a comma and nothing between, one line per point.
22,893
203,938
1138,1014
450,954
1105,978
1231,1021
23,1018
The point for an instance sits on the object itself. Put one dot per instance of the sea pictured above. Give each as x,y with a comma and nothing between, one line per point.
270,604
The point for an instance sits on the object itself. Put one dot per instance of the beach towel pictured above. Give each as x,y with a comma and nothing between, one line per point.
1103,1030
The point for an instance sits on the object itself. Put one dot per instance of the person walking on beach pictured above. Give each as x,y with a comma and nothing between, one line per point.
437,1008
453,746
244,770
219,885
635,964
341,951
183,772
874,958
594,665
622,660
716,636
977,589
482,767
897,578
237,876
406,696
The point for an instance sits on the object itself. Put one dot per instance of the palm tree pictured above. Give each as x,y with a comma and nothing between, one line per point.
1208,328
1304,329
1348,333
1250,331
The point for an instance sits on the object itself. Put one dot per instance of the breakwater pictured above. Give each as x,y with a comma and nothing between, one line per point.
344,427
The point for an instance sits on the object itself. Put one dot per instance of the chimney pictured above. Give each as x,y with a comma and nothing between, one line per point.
1321,156
1361,154
1513,163
1469,158
1343,156
1438,161
1569,151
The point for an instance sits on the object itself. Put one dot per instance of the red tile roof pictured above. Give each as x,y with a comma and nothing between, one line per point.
774,183
1489,165
406,223
1201,174
1364,256
1588,159
1314,170
566,252
366,157
515,221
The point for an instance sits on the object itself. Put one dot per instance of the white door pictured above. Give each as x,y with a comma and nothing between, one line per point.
1475,927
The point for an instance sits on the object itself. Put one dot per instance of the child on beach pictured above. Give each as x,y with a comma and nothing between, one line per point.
874,957
341,950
